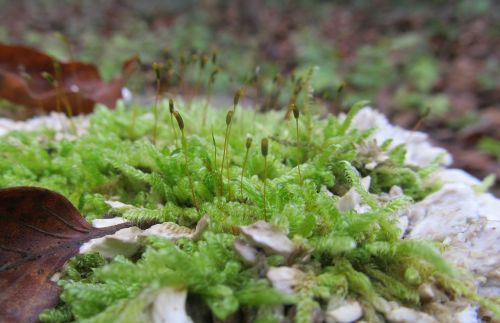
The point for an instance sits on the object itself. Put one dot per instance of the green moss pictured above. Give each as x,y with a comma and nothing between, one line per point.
351,254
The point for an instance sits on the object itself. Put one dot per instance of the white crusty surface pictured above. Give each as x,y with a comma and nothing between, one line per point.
465,220
449,211
396,313
59,122
467,223
419,150
408,315
349,311
452,311
453,176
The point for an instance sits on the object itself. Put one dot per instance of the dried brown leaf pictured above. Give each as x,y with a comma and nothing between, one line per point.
78,86
39,231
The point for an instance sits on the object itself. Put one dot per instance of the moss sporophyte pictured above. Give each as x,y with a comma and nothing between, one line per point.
331,254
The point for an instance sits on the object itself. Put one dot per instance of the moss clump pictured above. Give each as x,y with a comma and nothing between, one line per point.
349,254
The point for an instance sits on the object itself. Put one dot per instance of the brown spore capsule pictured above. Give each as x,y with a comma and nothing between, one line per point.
248,143
178,117
157,69
229,117
171,105
237,96
295,110
264,146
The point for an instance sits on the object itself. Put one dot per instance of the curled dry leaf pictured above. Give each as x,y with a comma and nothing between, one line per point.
39,231
285,279
78,86
173,231
271,239
123,242
127,241
170,306
247,253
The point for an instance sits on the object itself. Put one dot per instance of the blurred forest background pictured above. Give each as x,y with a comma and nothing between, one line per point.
407,57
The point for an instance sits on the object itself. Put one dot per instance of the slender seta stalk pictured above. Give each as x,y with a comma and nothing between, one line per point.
211,82
67,43
229,119
194,60
425,114
61,93
157,70
248,144
264,148
180,123
182,71
422,118
54,81
215,163
296,115
337,107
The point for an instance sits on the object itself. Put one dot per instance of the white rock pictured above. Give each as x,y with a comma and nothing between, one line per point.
419,151
122,242
102,223
285,279
170,306
478,249
467,315
441,214
468,224
453,176
489,286
350,311
268,237
489,206
408,315
59,122
453,311
396,313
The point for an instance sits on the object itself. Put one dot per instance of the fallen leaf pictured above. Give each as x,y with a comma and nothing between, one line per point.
79,85
39,231
263,235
